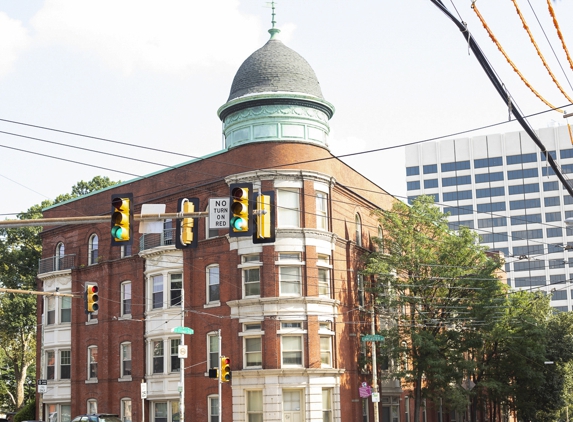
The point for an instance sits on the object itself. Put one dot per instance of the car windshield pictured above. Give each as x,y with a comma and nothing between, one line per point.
104,418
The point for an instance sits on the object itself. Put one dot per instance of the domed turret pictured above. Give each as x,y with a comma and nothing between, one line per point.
275,96
275,68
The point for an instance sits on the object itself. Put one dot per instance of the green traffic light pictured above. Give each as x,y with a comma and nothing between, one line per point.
239,224
116,232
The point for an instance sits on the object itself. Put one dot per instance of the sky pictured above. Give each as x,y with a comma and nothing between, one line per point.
153,74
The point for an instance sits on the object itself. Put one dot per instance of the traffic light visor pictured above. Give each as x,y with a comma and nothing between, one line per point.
92,298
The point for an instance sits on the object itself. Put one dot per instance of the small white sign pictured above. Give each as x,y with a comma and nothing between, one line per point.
152,226
375,397
42,389
182,352
219,209
143,390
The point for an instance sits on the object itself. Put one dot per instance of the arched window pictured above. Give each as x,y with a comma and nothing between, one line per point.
60,252
358,224
93,250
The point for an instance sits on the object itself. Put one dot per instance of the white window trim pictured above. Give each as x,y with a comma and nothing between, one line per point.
358,229
208,343
301,336
91,248
152,357
170,367
212,303
247,411
122,408
330,338
89,379
122,297
290,263
322,215
94,401
280,223
121,361
209,398
251,336
245,267
166,275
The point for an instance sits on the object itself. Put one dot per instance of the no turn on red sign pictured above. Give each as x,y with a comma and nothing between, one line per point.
219,213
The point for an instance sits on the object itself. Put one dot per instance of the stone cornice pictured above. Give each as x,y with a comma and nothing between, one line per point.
281,174
54,274
288,372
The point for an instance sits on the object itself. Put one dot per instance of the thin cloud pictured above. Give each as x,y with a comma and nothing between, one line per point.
168,37
14,39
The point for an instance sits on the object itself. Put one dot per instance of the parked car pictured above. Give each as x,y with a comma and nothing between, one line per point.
97,417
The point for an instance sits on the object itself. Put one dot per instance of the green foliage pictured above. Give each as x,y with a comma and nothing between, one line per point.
442,287
83,188
28,413
20,252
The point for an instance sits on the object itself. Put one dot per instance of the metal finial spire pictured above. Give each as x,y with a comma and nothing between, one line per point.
273,31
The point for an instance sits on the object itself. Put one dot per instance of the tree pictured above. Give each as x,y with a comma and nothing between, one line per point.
20,252
439,285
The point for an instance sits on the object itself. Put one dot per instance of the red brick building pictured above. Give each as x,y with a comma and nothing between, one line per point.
290,313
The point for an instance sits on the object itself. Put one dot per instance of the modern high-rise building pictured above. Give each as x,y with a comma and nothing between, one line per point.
503,187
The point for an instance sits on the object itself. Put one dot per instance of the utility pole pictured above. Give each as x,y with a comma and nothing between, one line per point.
374,367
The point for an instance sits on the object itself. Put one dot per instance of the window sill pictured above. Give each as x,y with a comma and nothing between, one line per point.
212,304
125,379
91,381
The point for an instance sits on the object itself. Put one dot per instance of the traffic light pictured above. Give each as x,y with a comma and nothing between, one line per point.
265,218
241,209
213,373
121,219
187,228
91,298
225,369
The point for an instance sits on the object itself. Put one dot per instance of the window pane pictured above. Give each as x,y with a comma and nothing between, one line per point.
158,357
175,289
252,282
126,300
290,280
253,351
213,274
292,350
288,208
157,291
321,211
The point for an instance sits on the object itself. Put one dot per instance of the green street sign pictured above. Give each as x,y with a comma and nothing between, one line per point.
182,330
373,337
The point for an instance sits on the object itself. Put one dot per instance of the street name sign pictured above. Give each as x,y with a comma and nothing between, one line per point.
182,330
373,337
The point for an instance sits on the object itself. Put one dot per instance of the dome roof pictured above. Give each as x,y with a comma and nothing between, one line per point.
275,68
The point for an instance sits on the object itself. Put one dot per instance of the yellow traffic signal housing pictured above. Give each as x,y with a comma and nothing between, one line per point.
265,218
225,369
241,210
91,298
187,228
121,219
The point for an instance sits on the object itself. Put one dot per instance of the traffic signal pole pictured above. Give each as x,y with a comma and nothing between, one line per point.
219,380
63,221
